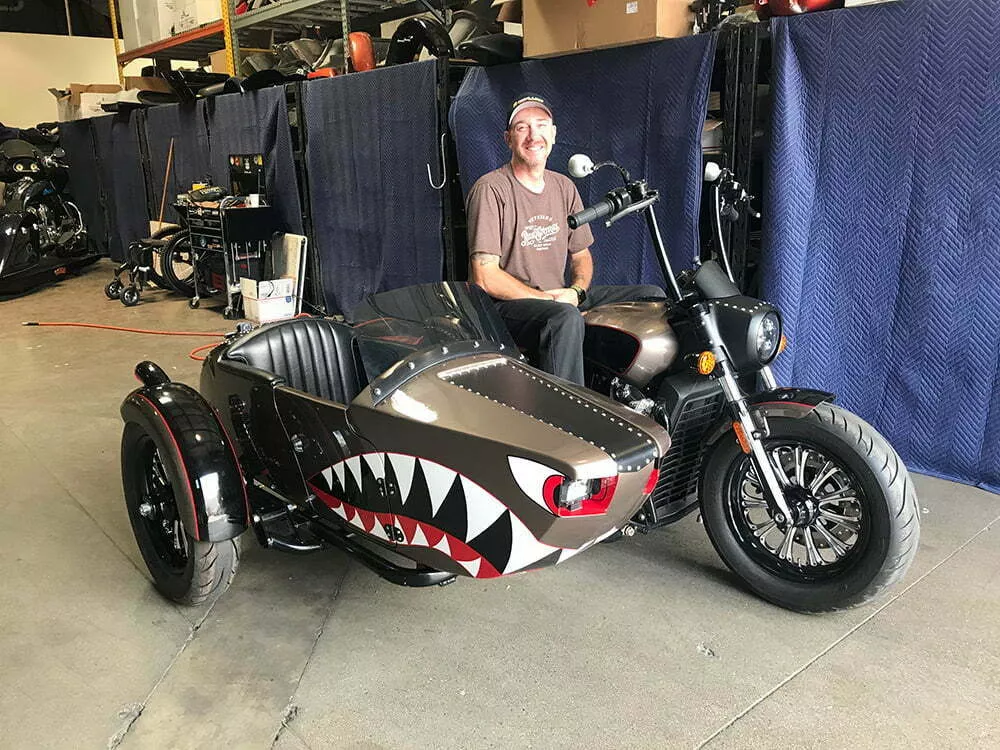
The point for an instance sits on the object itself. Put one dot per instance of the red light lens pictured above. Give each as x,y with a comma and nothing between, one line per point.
654,477
596,504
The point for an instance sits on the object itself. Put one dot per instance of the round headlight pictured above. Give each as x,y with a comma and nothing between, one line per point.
19,167
34,167
768,337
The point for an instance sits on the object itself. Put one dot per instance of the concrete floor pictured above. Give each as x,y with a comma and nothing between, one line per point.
649,643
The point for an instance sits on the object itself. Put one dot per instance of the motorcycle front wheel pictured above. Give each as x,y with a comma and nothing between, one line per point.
855,524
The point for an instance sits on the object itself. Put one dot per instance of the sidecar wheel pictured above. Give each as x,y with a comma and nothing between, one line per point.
184,570
856,524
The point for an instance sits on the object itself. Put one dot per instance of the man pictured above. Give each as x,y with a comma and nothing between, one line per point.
519,243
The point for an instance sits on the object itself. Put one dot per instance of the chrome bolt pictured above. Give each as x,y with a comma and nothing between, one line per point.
146,510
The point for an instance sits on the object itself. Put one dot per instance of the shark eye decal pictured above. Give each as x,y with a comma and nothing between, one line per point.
536,480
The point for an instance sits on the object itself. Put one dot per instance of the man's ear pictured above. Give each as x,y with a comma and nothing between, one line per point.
553,133
506,137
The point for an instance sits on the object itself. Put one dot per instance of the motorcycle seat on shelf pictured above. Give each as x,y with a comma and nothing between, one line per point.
314,355
493,49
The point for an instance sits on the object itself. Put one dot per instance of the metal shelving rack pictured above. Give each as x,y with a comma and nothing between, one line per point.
284,17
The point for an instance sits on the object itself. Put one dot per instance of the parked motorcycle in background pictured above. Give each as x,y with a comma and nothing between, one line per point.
42,234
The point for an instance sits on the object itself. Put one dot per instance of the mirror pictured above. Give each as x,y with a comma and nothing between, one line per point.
580,165
58,153
712,172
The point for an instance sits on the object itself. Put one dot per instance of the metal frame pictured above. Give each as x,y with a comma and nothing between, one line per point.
741,45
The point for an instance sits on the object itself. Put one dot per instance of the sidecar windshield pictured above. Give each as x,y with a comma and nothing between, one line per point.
395,324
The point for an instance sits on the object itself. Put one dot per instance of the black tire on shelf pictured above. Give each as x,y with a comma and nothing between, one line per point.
130,296
175,265
113,289
184,570
857,522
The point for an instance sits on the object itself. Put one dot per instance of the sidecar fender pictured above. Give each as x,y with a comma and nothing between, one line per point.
212,502
780,402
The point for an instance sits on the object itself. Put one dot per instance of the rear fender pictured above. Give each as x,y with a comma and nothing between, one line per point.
780,402
212,500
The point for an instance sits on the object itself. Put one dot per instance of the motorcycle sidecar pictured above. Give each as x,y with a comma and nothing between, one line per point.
424,458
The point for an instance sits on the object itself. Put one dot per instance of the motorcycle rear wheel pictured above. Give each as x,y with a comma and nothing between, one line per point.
184,570
856,524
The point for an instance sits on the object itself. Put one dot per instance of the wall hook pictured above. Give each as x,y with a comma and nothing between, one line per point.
444,168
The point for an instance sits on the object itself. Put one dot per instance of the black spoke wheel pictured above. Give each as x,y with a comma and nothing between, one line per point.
183,569
177,265
854,527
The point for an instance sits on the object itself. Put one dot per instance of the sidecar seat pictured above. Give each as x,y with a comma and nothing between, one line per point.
315,355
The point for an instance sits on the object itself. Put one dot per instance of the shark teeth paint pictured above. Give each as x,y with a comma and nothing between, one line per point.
444,511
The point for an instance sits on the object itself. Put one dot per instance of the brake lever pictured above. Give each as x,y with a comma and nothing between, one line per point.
633,208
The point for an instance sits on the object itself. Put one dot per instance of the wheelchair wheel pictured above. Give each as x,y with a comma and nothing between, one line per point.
113,289
177,265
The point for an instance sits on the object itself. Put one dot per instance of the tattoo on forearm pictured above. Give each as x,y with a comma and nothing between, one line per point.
485,259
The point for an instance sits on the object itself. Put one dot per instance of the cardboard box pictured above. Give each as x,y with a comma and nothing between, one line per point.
264,301
218,58
130,24
190,14
82,100
148,83
558,27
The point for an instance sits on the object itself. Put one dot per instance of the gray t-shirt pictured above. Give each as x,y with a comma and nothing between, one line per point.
527,230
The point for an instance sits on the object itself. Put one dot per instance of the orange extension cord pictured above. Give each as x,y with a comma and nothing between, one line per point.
192,354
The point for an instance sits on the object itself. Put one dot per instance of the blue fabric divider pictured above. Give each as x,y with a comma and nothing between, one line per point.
252,123
186,124
883,223
122,182
77,140
643,107
376,219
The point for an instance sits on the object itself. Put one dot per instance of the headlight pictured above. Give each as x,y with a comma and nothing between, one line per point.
768,337
19,167
34,167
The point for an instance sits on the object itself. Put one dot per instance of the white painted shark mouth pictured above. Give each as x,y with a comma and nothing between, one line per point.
444,510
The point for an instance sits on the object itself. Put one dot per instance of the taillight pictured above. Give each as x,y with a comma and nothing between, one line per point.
654,477
579,497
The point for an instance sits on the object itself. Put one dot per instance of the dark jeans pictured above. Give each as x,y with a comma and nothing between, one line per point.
555,330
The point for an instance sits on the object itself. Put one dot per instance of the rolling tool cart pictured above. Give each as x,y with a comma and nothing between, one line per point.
230,234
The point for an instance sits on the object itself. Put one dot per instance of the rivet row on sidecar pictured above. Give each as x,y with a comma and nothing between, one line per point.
418,439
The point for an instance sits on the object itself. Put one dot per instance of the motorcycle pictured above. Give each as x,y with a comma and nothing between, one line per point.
417,438
42,234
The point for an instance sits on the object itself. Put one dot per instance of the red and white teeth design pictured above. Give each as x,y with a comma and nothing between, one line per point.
442,510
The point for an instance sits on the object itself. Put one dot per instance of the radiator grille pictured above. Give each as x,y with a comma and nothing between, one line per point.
679,468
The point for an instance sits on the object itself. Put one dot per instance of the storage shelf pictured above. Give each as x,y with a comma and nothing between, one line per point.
292,15
188,45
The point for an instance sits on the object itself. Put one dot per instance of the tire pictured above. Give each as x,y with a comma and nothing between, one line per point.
156,265
175,265
186,571
113,289
129,296
862,521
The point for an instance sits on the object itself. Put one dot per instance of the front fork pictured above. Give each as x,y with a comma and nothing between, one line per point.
754,434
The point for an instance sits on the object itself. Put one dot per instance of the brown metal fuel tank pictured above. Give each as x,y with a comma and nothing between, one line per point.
632,340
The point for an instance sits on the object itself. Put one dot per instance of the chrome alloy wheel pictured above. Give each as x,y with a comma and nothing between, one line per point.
829,523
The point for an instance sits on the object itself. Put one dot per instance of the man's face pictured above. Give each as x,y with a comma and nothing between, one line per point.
530,136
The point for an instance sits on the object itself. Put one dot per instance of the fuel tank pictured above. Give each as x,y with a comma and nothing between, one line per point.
630,340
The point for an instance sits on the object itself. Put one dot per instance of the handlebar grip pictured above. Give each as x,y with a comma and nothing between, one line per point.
598,211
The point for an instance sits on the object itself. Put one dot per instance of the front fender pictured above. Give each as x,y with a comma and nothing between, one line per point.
212,499
780,402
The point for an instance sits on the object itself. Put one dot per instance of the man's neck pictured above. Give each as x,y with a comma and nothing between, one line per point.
532,178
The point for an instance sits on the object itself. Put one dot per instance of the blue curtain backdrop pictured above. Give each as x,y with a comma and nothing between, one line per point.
257,123
883,236
376,219
642,106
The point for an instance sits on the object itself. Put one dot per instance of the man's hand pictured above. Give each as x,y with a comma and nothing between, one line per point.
569,296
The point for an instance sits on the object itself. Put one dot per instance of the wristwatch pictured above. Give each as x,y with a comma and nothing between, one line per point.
581,294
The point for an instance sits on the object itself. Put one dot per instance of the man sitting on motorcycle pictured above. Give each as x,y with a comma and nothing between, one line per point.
519,244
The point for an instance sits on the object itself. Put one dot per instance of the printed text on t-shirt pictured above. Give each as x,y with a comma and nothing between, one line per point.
539,232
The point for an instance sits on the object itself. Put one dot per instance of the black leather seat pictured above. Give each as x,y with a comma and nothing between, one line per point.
314,355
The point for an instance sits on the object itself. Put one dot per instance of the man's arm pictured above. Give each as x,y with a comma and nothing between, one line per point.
485,271
581,266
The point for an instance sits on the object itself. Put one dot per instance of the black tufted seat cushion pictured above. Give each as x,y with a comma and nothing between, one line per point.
314,355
